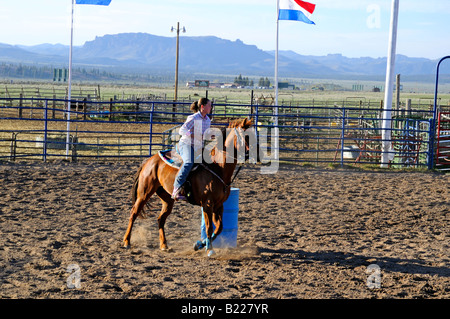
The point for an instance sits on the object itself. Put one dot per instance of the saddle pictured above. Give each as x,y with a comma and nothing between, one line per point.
171,157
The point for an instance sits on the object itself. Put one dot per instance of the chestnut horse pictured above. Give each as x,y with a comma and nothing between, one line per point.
210,185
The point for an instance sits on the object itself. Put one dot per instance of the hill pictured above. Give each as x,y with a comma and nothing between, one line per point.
144,53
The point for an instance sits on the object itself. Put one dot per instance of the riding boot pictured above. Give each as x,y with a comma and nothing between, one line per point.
177,194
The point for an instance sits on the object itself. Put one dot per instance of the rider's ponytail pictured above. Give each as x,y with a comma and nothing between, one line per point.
195,107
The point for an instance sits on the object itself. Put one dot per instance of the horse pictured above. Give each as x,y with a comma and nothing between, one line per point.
210,185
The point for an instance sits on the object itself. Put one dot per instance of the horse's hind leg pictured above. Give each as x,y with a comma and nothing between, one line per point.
167,205
141,200
135,210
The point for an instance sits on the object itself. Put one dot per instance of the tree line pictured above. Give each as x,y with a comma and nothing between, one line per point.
33,72
245,81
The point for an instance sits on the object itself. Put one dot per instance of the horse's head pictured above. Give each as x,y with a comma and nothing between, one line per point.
244,140
237,142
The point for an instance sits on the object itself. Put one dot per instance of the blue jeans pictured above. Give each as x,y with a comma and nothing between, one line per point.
187,154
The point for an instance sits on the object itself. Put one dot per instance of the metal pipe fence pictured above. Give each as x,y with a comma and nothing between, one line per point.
35,129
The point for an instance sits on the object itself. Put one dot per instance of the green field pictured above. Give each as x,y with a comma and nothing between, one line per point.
420,94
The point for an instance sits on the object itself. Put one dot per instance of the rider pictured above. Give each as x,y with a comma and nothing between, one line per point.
191,142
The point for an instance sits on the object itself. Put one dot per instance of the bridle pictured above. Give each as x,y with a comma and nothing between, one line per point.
239,137
241,141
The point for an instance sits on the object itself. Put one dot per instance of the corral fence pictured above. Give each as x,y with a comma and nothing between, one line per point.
342,133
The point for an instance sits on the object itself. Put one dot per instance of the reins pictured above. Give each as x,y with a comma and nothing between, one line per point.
220,178
235,174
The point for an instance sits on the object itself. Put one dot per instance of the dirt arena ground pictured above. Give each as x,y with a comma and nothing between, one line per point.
303,233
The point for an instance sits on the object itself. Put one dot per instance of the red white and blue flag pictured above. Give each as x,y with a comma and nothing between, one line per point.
94,2
296,10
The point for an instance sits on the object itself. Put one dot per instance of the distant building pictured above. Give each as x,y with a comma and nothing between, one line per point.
211,85
216,85
202,83
229,86
286,85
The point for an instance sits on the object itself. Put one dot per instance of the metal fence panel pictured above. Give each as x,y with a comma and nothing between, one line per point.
118,130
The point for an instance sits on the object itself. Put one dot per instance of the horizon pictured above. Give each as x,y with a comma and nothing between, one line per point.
268,51
351,28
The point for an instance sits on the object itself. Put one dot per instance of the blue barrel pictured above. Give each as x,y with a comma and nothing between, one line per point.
228,236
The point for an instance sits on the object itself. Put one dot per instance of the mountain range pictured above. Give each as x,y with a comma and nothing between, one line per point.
146,53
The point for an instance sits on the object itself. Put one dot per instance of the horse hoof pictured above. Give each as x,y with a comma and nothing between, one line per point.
211,253
198,245
166,249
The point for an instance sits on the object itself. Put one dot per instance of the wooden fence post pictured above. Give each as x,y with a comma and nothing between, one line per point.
20,105
110,109
136,110
54,106
408,108
84,109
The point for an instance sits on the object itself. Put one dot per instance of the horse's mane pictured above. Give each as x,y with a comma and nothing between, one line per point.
232,124
245,123
235,123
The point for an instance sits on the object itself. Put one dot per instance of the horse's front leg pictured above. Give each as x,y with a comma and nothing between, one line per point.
217,219
207,214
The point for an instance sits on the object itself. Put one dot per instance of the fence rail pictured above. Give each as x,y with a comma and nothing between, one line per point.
117,130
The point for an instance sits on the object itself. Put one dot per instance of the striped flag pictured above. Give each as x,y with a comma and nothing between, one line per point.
94,2
296,10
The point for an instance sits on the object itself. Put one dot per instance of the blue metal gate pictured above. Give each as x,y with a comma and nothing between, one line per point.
136,129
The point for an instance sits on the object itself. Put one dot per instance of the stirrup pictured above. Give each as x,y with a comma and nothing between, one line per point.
177,194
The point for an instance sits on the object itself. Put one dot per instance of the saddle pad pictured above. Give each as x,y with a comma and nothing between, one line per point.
171,157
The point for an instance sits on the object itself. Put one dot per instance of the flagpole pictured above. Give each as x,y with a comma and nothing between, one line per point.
386,133
290,10
275,111
70,84
276,56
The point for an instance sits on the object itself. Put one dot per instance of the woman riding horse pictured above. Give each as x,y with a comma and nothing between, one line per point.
191,142
210,185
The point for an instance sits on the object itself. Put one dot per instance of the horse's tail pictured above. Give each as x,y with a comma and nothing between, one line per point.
134,188
135,185
143,213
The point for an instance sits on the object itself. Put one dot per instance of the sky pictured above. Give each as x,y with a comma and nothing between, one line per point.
353,28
